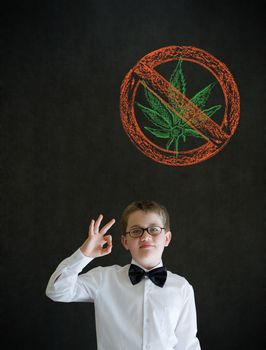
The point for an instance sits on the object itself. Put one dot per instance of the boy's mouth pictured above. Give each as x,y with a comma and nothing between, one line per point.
147,246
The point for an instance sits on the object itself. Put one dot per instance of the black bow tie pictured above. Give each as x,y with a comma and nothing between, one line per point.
157,276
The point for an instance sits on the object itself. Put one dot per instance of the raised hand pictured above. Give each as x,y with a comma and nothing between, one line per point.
94,244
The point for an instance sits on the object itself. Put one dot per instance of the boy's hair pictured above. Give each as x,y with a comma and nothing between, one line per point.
146,206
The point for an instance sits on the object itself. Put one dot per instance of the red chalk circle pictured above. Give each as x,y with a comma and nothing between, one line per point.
216,135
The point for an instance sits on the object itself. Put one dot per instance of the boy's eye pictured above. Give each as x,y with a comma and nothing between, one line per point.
136,231
154,230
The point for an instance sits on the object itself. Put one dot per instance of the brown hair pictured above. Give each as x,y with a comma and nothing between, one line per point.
146,206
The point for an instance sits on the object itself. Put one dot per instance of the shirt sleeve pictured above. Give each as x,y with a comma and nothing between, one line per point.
66,285
186,329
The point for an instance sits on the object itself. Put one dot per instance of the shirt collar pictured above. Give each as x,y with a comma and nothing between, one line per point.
159,265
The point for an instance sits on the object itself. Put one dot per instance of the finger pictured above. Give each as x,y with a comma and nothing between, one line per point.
107,226
91,228
97,223
108,248
108,240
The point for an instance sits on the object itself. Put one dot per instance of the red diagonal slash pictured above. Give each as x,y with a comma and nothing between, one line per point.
173,98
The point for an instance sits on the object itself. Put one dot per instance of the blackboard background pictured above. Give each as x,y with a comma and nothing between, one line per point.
66,158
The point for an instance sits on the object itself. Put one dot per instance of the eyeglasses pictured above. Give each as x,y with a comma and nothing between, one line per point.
138,231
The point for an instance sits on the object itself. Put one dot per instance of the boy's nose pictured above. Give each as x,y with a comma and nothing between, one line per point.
145,235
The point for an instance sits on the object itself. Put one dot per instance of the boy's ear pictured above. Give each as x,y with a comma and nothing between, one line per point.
168,237
124,241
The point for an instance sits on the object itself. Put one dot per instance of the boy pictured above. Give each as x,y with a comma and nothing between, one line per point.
138,306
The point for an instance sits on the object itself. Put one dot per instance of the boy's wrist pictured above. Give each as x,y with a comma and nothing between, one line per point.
86,254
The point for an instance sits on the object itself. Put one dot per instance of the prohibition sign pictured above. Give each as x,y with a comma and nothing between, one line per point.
216,136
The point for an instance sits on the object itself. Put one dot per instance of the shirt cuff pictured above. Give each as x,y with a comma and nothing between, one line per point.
78,261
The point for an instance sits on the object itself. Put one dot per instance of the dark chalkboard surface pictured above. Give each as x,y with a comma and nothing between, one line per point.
66,158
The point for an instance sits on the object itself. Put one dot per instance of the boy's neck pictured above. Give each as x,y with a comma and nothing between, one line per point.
147,267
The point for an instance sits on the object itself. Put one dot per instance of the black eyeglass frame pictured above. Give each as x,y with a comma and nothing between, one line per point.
146,229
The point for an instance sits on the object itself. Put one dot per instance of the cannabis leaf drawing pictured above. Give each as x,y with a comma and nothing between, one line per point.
167,124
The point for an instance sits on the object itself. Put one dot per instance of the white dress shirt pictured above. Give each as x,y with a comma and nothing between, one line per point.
129,317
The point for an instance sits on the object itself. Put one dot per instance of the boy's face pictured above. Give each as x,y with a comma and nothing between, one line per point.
146,250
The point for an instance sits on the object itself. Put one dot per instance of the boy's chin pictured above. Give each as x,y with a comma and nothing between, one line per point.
147,260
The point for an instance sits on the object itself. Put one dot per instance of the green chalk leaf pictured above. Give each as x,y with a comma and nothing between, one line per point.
177,78
210,111
170,125
202,96
158,133
154,117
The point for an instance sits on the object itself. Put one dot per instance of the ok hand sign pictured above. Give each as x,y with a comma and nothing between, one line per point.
94,244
